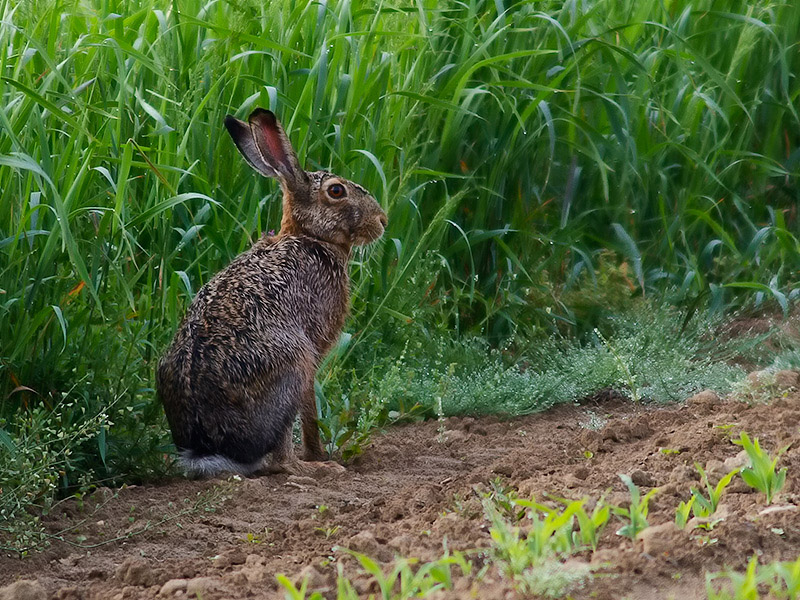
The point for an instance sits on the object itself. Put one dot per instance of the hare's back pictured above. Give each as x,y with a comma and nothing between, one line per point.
278,297
293,279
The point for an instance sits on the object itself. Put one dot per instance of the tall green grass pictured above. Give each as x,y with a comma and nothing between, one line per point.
516,146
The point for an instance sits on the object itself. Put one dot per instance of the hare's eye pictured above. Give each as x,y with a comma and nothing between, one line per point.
336,191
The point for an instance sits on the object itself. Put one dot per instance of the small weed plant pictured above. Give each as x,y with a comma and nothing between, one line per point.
47,445
762,473
758,390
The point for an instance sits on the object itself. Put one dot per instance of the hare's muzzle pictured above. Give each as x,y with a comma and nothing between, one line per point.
380,226
372,228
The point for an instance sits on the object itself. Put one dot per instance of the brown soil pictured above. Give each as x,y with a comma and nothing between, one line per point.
420,484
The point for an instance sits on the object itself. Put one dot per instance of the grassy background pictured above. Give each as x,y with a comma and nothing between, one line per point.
544,165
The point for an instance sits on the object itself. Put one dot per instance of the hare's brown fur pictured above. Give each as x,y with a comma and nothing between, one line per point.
243,361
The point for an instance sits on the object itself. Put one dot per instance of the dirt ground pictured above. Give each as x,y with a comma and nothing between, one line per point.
421,483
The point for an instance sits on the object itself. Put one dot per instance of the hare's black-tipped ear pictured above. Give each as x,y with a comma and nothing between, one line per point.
264,145
274,146
242,136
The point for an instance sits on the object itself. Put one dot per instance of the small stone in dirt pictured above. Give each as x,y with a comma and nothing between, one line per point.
23,590
255,570
591,440
135,571
642,478
316,580
704,399
641,429
366,543
71,560
231,557
201,587
581,473
402,543
682,474
614,432
455,436
467,423
659,539
736,462
505,469
171,587
68,593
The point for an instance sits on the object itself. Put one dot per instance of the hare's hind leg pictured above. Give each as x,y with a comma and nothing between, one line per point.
285,461
312,445
283,456
313,454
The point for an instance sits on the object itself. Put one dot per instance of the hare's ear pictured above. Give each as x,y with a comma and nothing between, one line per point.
264,145
243,138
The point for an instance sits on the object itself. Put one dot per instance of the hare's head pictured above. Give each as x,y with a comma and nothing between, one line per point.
318,204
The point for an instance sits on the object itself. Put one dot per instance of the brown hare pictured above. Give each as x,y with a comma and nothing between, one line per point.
243,361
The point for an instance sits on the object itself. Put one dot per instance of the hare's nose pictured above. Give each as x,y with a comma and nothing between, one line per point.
384,219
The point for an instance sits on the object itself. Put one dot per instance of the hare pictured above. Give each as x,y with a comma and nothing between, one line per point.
243,361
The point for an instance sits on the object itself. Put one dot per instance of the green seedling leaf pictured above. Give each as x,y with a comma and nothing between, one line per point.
635,515
707,506
762,474
683,511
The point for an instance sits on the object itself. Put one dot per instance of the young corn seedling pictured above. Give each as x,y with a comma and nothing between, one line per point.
787,584
591,525
682,513
761,474
532,556
703,506
635,516
741,586
549,535
293,592
551,528
781,579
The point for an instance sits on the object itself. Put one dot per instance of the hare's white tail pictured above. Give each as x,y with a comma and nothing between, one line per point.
213,464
